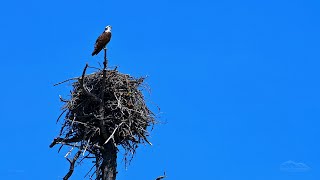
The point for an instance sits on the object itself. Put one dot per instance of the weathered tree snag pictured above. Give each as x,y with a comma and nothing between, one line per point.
106,110
109,154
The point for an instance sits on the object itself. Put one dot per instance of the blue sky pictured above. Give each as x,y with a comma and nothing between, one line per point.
237,83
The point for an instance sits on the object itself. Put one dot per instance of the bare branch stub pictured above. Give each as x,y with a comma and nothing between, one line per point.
72,162
161,177
107,109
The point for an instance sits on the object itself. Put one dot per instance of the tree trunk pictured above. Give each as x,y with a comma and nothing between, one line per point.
109,164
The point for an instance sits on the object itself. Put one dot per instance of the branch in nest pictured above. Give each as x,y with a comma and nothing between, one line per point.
61,115
59,140
65,81
111,136
84,88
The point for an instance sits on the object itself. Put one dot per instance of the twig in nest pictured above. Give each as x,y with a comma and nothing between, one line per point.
71,79
111,136
84,88
61,115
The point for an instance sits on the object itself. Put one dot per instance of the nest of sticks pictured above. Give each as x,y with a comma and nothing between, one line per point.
106,109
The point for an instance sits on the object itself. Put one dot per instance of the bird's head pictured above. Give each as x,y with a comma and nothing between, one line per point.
108,28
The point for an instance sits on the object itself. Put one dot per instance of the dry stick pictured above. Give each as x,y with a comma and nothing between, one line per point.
82,85
72,162
64,141
65,81
61,115
114,131
160,177
62,100
89,171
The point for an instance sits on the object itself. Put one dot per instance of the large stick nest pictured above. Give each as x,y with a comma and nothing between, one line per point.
121,117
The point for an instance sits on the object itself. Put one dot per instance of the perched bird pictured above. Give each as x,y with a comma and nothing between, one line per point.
102,40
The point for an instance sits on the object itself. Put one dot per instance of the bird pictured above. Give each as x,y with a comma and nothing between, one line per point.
102,40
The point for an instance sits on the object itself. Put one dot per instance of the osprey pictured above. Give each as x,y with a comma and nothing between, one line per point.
102,40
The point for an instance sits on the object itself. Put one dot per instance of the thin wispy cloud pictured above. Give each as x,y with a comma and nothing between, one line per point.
291,166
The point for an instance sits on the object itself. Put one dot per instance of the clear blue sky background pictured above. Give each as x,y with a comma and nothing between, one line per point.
237,82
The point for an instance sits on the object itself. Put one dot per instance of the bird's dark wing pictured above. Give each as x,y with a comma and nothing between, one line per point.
101,42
